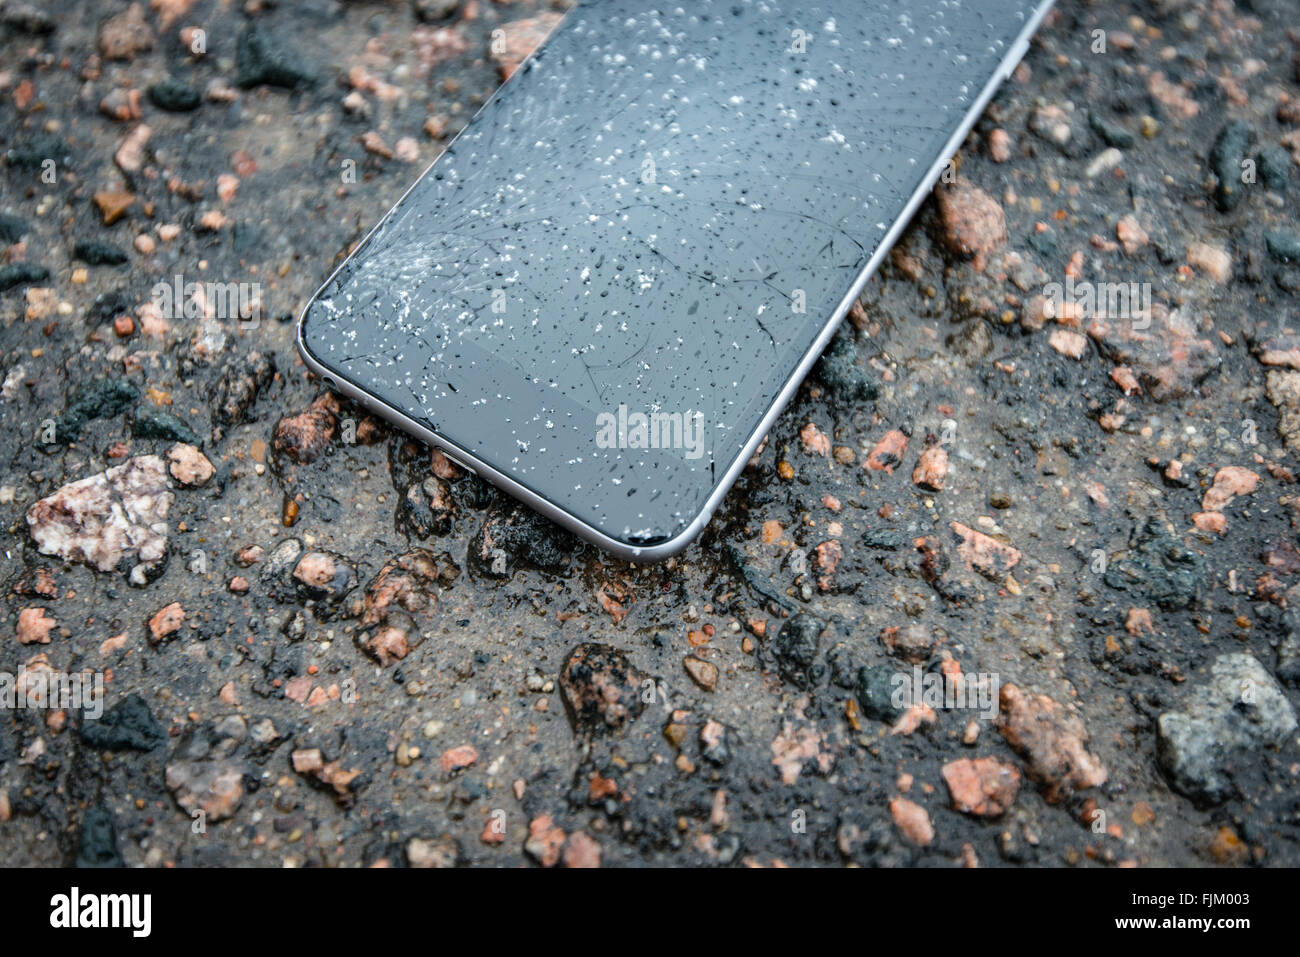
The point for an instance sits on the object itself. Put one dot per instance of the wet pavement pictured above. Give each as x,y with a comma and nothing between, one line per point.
1044,479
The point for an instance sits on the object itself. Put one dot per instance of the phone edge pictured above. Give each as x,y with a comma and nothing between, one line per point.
679,542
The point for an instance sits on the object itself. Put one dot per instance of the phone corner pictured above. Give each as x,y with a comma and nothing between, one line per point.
660,551
300,338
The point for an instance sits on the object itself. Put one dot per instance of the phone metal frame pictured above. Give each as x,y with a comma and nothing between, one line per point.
678,543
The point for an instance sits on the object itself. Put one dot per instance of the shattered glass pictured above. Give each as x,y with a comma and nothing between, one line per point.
661,212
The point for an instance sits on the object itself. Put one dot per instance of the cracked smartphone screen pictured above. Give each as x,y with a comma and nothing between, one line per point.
606,281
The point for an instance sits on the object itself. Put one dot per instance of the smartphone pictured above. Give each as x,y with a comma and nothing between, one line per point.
603,293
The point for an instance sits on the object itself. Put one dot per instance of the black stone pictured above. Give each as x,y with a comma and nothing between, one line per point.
261,58
98,253
98,839
12,228
97,399
430,11
174,96
838,369
1283,246
151,423
34,153
876,693
514,534
795,649
1226,158
241,381
1275,167
15,274
109,305
1159,567
1112,134
883,538
128,724
28,19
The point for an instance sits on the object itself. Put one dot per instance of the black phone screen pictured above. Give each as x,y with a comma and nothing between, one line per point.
607,279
